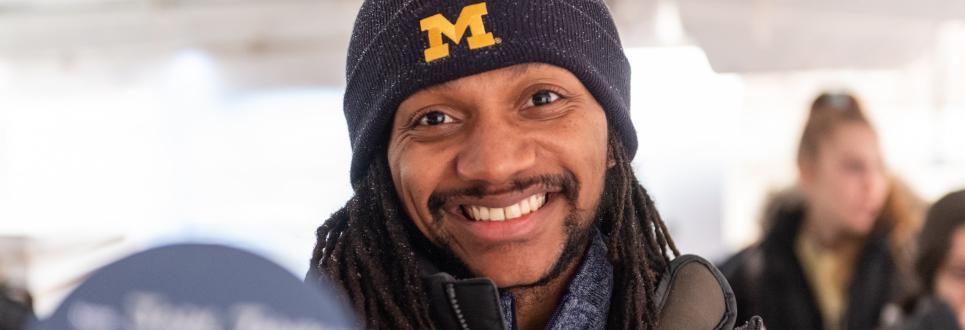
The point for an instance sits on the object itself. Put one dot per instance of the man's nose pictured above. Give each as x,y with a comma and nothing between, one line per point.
496,152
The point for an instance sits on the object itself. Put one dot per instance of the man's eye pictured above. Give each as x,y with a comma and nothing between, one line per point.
434,118
543,98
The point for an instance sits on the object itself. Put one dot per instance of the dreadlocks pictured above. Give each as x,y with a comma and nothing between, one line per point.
368,249
637,243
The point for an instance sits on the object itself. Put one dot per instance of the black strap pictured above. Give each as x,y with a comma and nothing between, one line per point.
463,304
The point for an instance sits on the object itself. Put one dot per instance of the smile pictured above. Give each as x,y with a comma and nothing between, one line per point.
523,207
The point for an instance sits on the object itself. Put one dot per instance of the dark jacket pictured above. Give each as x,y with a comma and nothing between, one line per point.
769,281
14,314
692,294
930,314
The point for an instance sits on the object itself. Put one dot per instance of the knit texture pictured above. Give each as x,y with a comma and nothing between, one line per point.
387,61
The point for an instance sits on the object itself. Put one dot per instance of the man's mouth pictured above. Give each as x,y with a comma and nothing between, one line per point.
523,207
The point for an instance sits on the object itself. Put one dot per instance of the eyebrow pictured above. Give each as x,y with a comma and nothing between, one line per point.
440,88
516,71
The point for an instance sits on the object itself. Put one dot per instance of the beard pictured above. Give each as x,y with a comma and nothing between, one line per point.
573,248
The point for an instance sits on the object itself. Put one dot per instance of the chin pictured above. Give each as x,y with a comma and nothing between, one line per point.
513,269
511,280
861,227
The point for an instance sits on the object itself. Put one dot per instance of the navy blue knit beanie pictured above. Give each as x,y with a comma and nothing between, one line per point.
399,47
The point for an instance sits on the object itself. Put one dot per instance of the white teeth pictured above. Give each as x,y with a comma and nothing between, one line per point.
497,215
483,213
523,207
513,211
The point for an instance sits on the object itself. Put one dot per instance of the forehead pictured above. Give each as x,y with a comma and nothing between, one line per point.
855,139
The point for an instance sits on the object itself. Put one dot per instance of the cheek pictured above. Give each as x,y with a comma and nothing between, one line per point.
416,173
947,285
596,163
880,190
837,194
841,186
951,290
829,187
580,145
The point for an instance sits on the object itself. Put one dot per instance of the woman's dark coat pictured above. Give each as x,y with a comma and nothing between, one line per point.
768,280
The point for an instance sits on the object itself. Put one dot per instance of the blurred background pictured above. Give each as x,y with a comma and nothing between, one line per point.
127,124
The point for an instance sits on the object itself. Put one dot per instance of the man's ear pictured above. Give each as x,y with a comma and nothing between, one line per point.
610,159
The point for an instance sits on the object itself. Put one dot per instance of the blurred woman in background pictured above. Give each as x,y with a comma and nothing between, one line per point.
941,267
836,248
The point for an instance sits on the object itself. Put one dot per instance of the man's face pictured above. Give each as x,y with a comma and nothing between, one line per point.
504,168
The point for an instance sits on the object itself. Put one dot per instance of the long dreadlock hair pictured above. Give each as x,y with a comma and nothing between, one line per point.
368,248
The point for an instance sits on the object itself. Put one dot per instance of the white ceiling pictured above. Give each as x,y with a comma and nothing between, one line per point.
750,36
272,42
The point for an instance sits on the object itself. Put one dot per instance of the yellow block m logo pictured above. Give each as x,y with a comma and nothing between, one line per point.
470,18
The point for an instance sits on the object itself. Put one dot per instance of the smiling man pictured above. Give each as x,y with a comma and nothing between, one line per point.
493,188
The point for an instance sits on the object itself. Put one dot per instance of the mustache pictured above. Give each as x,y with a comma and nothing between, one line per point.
566,182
